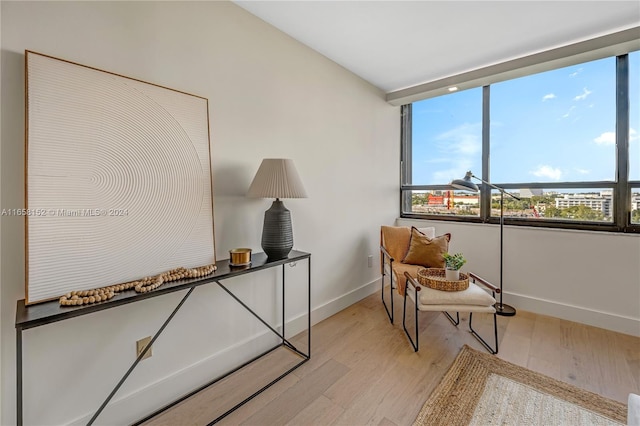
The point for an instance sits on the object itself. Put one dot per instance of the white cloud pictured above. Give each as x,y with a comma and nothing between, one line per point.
583,171
457,171
547,172
585,92
609,138
462,145
548,97
606,138
574,74
569,112
433,160
463,140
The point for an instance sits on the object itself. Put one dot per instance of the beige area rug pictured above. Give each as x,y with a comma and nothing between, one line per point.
481,389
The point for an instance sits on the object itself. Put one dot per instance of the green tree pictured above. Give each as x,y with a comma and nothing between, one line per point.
635,216
582,212
579,212
552,211
511,204
419,199
543,199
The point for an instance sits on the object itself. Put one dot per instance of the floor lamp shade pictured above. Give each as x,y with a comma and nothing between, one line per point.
277,178
465,184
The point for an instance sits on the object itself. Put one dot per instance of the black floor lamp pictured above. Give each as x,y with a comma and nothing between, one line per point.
466,184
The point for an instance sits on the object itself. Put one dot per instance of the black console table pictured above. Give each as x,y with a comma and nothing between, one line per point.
49,312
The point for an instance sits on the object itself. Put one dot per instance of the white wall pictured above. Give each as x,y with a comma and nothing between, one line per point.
1,350
269,96
587,277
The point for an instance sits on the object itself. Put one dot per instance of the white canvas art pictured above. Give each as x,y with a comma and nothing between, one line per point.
118,183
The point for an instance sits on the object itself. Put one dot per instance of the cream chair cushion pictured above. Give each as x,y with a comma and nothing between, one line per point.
473,299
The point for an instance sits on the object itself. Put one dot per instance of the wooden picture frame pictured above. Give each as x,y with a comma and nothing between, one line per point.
118,179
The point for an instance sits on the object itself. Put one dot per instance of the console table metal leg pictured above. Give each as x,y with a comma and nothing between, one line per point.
309,307
135,363
285,342
258,392
19,419
244,305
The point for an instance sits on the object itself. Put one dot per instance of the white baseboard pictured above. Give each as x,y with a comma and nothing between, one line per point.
336,305
299,323
130,408
607,320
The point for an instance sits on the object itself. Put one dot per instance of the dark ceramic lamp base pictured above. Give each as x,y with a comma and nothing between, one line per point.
277,233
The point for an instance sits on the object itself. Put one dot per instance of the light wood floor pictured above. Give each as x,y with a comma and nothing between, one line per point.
364,371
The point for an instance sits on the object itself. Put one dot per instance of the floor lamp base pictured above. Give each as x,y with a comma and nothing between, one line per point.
505,310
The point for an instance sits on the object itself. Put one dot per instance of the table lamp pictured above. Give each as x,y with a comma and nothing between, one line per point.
277,178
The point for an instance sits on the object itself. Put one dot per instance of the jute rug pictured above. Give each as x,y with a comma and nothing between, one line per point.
482,389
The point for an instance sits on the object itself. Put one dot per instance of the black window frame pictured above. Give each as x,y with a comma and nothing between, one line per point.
621,187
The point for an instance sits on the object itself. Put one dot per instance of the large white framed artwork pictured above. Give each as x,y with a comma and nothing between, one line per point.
118,179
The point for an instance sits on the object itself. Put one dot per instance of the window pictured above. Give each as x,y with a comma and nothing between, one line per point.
445,203
634,116
447,137
634,138
561,204
635,205
556,126
551,139
447,141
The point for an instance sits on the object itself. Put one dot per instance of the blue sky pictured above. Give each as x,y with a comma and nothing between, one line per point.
550,127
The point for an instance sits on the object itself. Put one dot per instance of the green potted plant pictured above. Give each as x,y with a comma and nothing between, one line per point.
453,263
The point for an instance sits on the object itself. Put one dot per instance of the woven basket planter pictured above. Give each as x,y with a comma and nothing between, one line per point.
435,278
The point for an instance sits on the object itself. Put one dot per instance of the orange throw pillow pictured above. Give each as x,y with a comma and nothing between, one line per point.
425,251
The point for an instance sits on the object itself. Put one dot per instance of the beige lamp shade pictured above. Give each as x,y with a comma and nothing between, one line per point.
277,178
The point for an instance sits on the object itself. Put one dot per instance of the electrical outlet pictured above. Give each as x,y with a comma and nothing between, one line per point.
370,261
140,345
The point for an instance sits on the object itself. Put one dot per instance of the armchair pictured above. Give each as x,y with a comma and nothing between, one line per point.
403,252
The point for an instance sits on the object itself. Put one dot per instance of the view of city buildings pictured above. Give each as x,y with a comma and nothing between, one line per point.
534,203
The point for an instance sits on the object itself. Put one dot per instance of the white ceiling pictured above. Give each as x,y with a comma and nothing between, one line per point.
399,44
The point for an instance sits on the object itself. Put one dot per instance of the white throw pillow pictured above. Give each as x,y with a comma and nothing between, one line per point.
430,232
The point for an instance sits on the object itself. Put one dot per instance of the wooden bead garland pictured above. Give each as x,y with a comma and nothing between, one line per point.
146,284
